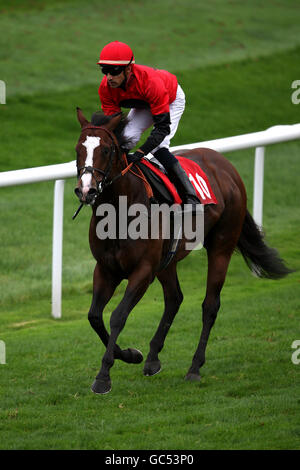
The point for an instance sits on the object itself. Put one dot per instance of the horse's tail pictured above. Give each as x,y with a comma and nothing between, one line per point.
260,258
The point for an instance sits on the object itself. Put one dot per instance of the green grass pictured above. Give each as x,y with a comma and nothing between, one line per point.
248,397
236,64
49,45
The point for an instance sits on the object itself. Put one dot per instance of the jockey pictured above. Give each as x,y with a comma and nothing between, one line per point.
156,99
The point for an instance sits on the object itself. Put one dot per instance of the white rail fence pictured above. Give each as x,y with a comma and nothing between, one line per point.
59,173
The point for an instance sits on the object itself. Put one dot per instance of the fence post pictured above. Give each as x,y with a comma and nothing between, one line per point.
258,190
58,209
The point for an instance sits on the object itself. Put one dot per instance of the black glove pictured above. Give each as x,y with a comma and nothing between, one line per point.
135,157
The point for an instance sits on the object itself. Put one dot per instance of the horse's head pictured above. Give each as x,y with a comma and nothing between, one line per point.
97,151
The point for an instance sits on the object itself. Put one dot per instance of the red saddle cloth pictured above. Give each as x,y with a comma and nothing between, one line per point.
196,175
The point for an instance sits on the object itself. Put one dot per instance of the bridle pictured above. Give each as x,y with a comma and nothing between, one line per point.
105,173
105,182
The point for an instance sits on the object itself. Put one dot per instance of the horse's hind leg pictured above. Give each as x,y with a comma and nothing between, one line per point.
220,243
173,298
103,289
218,261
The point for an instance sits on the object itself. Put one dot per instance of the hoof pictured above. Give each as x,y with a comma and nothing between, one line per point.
191,377
101,387
132,356
152,368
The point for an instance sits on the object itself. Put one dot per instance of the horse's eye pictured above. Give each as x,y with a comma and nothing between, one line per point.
105,151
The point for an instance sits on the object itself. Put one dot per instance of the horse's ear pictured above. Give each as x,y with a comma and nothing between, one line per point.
83,121
114,122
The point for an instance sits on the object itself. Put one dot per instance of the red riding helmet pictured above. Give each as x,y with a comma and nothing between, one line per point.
116,53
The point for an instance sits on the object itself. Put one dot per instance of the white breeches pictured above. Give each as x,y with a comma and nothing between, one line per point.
141,119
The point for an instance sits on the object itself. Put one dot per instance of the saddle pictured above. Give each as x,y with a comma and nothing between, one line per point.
165,191
161,193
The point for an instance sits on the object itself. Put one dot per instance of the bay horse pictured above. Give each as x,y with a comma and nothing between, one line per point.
103,176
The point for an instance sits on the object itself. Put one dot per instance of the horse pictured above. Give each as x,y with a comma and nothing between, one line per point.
104,175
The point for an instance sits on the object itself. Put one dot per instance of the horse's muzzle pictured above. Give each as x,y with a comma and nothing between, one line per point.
87,197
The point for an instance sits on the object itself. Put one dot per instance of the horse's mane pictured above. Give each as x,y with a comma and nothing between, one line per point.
99,119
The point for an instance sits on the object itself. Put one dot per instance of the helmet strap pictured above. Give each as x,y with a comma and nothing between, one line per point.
130,61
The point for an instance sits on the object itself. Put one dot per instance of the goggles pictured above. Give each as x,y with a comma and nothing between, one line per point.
112,69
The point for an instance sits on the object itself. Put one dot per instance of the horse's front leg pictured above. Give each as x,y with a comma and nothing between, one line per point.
173,298
137,286
104,285
103,288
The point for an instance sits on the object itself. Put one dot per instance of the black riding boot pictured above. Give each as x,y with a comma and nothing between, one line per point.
183,185
178,177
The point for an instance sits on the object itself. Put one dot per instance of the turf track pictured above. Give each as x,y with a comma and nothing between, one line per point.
236,63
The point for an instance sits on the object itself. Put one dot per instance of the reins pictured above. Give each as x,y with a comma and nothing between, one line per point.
140,175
